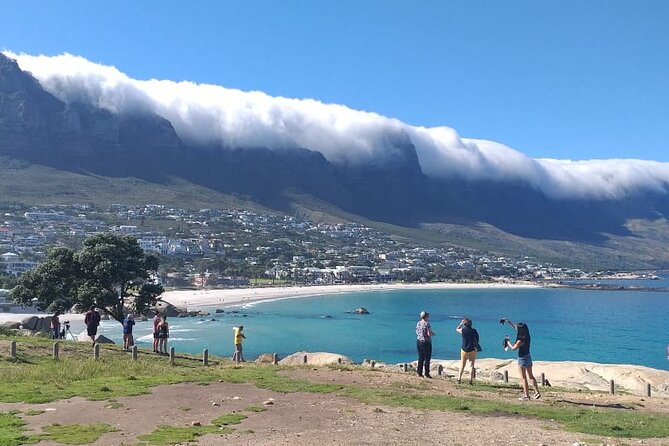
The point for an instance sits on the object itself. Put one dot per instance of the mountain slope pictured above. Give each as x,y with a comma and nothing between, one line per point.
87,153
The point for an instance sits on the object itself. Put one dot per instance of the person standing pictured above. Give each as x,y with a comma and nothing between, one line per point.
424,335
92,321
156,322
163,334
55,326
470,345
128,340
238,356
522,344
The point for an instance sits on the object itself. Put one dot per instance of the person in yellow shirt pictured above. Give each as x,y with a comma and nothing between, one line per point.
237,356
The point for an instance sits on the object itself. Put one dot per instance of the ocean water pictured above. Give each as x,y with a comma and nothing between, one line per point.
601,326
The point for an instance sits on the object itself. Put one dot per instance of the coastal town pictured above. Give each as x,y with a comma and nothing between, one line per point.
229,247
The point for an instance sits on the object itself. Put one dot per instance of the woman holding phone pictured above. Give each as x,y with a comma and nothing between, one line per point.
522,344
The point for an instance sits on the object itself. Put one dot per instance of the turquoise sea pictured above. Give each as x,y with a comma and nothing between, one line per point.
566,324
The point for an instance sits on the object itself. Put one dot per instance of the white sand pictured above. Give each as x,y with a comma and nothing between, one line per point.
193,299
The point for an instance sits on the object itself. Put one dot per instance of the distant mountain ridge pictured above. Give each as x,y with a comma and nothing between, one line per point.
37,127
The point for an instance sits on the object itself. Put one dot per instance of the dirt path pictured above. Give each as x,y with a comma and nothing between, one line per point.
322,419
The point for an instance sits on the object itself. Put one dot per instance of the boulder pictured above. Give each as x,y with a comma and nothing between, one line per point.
100,339
219,310
44,324
30,322
315,358
361,310
11,325
168,309
265,358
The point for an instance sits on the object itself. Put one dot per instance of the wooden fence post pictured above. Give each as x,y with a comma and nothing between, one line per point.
56,350
205,357
648,390
171,355
405,367
12,349
304,359
543,379
96,351
134,353
612,387
372,364
440,370
506,376
275,358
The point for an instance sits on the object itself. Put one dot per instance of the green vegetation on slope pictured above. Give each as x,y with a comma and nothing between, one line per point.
36,378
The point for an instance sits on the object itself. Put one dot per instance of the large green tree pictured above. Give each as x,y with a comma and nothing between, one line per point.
110,271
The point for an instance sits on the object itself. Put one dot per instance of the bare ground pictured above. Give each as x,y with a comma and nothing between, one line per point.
326,419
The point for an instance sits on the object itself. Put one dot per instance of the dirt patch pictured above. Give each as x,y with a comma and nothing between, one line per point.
308,419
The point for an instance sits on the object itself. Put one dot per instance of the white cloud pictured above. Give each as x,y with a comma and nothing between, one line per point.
210,114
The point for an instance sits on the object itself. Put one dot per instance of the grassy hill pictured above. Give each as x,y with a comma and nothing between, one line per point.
150,401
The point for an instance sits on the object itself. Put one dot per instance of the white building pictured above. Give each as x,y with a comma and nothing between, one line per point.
11,264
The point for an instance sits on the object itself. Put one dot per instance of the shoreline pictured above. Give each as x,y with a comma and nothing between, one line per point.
224,298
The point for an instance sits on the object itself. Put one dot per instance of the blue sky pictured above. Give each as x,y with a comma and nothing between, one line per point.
567,79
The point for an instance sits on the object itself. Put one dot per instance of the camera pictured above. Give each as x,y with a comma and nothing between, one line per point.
67,324
502,320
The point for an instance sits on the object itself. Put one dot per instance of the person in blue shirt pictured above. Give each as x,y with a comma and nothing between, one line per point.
128,340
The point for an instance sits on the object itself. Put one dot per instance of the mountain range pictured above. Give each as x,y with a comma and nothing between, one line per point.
82,147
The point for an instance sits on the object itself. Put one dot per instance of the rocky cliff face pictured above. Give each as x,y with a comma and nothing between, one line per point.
37,127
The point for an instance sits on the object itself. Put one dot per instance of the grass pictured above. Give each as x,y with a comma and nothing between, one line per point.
255,408
35,378
76,433
12,432
169,435
605,422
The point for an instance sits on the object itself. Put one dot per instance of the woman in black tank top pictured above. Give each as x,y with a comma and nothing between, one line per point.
522,344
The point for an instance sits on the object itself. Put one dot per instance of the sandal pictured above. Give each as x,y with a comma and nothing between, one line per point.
523,398
537,396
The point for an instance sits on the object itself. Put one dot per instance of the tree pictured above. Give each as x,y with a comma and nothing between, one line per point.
110,271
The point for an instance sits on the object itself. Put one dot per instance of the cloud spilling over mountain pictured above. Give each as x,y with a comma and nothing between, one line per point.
217,116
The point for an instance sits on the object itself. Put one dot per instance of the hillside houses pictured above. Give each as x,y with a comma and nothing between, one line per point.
220,247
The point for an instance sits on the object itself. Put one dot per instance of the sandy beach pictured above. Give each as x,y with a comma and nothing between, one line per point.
194,299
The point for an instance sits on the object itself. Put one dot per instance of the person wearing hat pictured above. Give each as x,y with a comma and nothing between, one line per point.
424,335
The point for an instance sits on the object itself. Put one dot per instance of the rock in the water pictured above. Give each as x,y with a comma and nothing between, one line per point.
168,309
219,310
361,310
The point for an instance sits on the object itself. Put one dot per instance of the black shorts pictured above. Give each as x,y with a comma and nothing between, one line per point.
92,331
155,335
